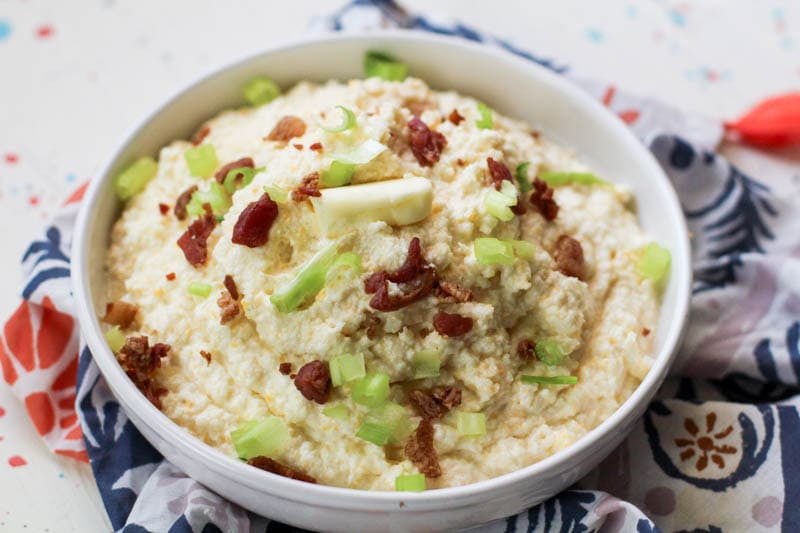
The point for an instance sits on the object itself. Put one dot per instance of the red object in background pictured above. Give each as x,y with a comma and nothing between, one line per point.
774,122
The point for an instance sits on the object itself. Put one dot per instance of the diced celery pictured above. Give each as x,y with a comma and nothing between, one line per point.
265,437
556,179
507,188
199,288
427,364
362,154
490,251
497,204
654,263
470,424
115,339
346,367
384,424
276,194
372,390
308,281
233,182
215,196
133,179
381,65
339,411
522,177
349,260
410,483
523,249
338,174
486,122
202,160
549,352
260,91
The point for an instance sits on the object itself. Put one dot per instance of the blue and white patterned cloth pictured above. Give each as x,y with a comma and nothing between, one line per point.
718,450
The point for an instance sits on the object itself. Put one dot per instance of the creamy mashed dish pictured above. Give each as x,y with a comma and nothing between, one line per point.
376,285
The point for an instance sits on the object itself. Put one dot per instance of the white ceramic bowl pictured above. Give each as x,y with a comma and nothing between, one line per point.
513,86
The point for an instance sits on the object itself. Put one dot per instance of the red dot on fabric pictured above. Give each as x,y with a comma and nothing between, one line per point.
2,412
44,31
16,460
11,158
33,200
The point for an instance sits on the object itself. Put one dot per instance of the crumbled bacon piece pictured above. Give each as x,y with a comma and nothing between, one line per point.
448,396
163,208
542,198
420,450
194,240
526,349
120,314
182,201
416,276
451,325
271,465
255,221
426,144
285,368
568,255
455,117
140,361
286,129
171,276
453,292
207,356
244,162
229,307
645,332
498,173
298,146
520,208
308,187
201,134
230,285
372,323
436,402
313,380
418,107
317,147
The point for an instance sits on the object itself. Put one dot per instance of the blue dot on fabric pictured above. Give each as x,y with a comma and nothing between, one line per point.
677,18
70,178
594,35
5,29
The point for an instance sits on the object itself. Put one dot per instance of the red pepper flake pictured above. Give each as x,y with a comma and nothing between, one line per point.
286,129
568,255
542,199
426,144
255,220
498,173
207,356
271,465
308,187
313,380
230,285
200,135
285,368
244,162
416,276
645,332
455,117
120,314
163,209
171,276
317,147
452,325
298,146
183,200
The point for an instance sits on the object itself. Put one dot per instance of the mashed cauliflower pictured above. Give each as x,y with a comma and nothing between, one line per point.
599,321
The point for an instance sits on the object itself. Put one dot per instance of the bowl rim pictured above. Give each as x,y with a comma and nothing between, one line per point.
361,499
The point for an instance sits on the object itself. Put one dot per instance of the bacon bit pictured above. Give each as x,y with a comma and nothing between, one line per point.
426,144
460,162
451,325
171,276
535,134
436,402
455,117
417,108
317,147
452,292
313,380
526,349
498,173
140,362
298,146
255,221
163,209
207,356
271,465
645,332
415,274
182,201
231,286
568,255
542,199
227,167
308,187
194,240
372,324
420,450
120,314
285,368
520,208
229,307
201,134
286,129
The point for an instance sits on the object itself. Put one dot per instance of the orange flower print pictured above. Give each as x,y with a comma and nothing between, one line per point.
704,445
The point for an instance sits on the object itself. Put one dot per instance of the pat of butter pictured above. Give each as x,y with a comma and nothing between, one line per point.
397,202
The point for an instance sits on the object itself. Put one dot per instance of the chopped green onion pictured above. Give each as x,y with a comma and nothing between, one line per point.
486,122
260,91
523,249
348,121
231,181
549,352
115,339
556,179
308,281
349,260
363,153
202,160
255,438
384,424
497,204
654,263
471,424
338,174
410,483
346,367
339,411
199,288
276,194
522,177
550,380
133,179
490,251
380,65
372,390
215,196
427,364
